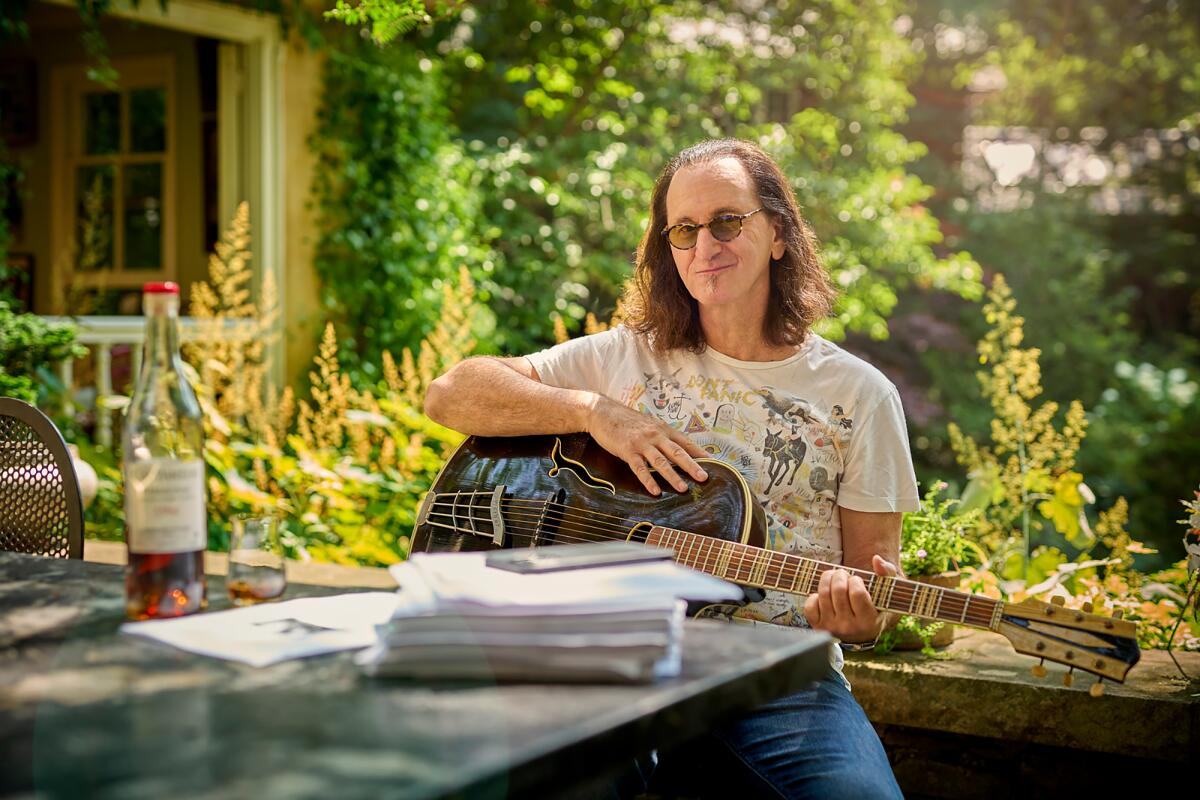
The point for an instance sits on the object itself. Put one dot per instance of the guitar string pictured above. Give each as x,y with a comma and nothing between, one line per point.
974,617
902,591
981,620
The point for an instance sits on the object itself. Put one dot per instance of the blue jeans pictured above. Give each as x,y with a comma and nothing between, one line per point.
816,743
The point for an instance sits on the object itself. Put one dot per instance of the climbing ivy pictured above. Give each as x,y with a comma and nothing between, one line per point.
396,201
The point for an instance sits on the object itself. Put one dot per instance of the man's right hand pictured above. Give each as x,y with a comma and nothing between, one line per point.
643,442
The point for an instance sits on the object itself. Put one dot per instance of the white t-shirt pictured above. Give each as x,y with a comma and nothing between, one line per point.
820,429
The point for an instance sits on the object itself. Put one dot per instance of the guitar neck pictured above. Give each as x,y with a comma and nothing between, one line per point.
766,569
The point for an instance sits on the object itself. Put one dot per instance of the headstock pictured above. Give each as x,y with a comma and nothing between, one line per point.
1104,646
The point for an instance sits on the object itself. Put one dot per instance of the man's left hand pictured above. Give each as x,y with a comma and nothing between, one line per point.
842,606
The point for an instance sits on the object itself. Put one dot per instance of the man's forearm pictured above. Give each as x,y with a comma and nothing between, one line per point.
484,396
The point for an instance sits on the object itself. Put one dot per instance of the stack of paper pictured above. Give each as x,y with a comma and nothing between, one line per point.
459,618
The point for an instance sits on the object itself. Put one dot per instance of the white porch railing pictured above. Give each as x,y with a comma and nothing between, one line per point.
101,334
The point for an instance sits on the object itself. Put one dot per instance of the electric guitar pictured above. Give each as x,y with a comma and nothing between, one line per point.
536,491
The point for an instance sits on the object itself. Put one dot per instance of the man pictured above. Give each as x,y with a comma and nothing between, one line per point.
716,359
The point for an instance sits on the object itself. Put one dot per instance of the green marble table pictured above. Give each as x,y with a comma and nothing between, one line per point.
87,712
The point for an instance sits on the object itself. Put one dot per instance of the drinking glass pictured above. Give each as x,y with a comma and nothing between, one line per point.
256,571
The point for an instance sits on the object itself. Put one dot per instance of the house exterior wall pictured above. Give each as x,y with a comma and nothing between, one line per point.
302,315
55,41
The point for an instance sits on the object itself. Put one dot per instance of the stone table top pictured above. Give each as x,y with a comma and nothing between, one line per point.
85,711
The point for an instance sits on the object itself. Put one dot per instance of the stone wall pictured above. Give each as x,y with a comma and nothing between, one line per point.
973,722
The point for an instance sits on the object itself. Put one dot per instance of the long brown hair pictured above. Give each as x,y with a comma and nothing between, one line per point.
658,305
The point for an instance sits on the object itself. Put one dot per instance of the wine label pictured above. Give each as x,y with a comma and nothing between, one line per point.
164,506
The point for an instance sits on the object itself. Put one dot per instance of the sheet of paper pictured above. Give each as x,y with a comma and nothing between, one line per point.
465,579
272,632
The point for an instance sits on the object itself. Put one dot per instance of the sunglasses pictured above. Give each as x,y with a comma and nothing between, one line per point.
724,228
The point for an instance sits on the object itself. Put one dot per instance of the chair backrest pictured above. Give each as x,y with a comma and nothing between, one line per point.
41,511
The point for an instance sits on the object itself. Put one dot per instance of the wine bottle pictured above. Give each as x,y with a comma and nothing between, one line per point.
165,515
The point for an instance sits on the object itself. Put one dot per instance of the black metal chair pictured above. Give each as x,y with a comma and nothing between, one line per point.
41,511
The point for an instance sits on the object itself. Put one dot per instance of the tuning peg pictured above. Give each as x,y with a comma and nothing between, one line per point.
1057,600
1097,689
1118,614
1039,669
1068,679
1087,608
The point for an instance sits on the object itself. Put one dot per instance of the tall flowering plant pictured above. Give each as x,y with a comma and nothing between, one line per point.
1191,544
1191,540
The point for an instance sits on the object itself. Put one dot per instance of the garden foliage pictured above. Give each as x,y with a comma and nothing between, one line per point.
30,347
344,467
937,539
397,204
562,114
1035,528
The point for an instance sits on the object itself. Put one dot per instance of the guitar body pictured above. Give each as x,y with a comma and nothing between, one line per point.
567,489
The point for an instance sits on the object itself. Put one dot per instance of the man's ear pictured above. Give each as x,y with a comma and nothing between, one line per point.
778,245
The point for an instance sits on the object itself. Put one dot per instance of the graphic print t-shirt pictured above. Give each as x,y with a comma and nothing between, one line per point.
817,430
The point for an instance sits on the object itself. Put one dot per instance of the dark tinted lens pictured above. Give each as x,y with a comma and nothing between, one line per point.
725,228
683,236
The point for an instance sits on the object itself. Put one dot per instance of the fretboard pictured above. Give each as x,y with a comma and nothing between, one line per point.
766,569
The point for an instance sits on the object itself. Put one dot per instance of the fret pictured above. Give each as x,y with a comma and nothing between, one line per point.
758,570
768,568
997,610
938,608
755,563
891,591
912,600
810,569
723,560
965,604
797,565
886,587
688,543
875,589
928,597
701,558
935,601
777,563
653,538
742,553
